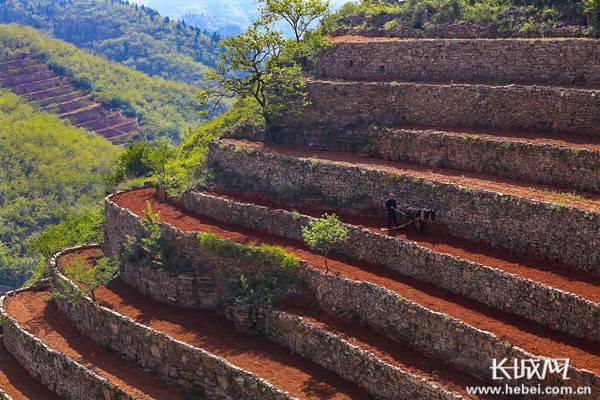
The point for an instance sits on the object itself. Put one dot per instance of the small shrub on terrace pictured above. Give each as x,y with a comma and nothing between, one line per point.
149,246
270,270
323,234
90,278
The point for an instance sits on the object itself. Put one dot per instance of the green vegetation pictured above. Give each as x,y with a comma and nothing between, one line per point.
259,64
165,108
508,16
149,247
323,234
271,273
48,170
91,277
133,35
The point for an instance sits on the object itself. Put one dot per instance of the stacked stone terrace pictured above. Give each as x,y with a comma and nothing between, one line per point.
24,76
510,270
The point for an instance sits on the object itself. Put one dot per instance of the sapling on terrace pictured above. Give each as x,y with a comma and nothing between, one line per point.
323,234
90,277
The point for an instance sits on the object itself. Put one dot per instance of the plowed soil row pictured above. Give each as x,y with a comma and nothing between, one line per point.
396,353
581,200
17,382
525,334
528,267
43,319
209,331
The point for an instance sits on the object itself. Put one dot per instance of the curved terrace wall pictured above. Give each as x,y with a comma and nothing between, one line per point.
538,61
437,335
507,157
175,361
512,107
68,378
518,224
543,304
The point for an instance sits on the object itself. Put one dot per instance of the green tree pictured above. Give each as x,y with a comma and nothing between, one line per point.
323,234
252,67
91,277
298,14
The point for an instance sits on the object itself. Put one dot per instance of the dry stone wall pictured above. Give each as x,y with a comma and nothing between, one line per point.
537,61
514,223
68,378
437,335
381,379
174,361
572,168
512,107
537,302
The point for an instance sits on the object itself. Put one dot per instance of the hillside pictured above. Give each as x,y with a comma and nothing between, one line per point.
468,18
49,92
133,35
164,108
48,169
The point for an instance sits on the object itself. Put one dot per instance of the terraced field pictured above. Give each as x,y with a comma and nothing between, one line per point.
509,271
51,93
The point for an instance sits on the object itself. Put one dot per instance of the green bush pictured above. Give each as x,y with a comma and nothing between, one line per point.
271,272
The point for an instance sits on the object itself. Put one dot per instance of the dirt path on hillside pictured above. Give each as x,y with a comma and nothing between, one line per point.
17,382
528,267
43,319
580,200
523,333
213,333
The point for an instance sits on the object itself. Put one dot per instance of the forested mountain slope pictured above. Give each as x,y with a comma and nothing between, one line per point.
133,35
48,170
164,108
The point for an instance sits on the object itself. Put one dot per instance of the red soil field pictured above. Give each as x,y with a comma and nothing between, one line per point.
526,266
17,382
581,200
209,331
393,352
520,332
43,319
182,324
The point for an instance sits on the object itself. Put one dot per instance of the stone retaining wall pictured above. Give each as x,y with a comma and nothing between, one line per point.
174,361
513,107
379,378
68,378
548,306
205,282
515,223
435,334
572,168
538,61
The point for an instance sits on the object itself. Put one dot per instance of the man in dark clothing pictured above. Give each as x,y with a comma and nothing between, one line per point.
391,205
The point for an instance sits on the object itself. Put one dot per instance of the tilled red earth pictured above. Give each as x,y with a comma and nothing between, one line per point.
43,319
581,200
529,267
17,382
209,331
398,354
520,332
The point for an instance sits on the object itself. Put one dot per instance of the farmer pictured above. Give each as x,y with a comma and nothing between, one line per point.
391,206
